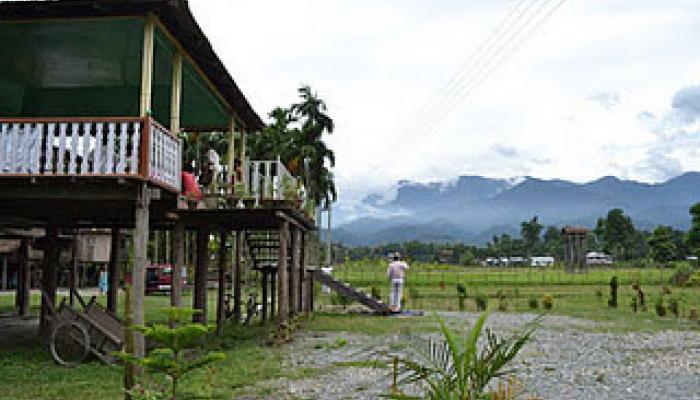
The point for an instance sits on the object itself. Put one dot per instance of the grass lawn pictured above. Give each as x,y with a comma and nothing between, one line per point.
28,372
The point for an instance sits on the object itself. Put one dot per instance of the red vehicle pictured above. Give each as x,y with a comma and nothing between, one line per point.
159,278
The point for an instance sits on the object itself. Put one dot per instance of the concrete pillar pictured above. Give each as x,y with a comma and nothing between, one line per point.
282,276
221,291
237,278
113,272
200,277
178,238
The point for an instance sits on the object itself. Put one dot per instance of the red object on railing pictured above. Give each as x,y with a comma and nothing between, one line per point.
190,188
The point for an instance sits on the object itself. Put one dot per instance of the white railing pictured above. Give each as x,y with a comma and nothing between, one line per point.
89,147
264,179
165,156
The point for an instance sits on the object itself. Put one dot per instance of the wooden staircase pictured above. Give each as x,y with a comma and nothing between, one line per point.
348,291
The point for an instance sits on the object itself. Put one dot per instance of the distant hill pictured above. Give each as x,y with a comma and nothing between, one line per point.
473,208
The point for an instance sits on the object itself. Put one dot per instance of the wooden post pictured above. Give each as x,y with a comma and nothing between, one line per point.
244,160
50,277
303,300
264,301
113,272
24,279
3,277
178,238
176,93
296,270
237,278
138,274
272,276
221,298
73,275
147,67
282,276
200,277
232,155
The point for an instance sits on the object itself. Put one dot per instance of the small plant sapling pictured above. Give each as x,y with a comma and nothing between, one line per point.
660,307
612,301
180,352
547,302
461,295
533,303
481,302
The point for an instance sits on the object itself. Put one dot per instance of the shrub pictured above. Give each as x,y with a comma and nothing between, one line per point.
459,368
502,301
481,302
376,293
533,303
547,302
598,294
461,295
660,307
674,306
180,352
612,301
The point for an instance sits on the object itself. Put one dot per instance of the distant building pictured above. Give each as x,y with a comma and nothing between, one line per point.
598,258
541,261
517,260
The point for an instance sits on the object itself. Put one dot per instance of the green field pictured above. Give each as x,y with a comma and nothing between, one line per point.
434,287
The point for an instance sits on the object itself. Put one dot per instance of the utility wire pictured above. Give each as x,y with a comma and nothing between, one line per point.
495,58
495,63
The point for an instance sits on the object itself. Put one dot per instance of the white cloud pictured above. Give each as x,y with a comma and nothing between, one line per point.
567,104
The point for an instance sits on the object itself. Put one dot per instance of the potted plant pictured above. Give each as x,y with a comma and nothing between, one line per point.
211,199
290,192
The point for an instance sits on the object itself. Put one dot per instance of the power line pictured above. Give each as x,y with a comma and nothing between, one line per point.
493,59
493,62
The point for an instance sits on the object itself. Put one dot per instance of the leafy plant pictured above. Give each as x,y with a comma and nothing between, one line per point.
660,307
533,303
612,301
181,350
674,306
458,368
461,295
547,302
481,302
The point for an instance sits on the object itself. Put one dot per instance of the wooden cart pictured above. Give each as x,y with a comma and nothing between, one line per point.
78,332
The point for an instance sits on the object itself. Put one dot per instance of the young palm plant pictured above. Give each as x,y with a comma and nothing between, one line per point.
459,368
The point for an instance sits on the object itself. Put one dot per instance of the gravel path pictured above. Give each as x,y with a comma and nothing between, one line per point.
567,359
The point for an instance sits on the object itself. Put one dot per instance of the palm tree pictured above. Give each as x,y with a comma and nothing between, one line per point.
311,112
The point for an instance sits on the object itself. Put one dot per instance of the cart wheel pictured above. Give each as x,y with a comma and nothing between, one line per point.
69,343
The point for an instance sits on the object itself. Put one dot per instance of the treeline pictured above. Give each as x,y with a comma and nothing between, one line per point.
614,234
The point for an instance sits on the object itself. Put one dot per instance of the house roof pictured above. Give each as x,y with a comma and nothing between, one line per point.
174,14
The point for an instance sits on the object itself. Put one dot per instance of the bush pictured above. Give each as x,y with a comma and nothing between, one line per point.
547,302
481,302
674,306
376,293
612,301
461,295
459,367
660,307
533,303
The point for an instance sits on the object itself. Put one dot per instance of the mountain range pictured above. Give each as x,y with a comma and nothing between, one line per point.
471,209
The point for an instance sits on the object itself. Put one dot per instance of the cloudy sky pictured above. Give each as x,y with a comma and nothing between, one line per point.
601,87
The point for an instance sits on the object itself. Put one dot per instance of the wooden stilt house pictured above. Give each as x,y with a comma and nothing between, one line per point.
96,97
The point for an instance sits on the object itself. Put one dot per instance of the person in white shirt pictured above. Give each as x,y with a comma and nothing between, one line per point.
395,273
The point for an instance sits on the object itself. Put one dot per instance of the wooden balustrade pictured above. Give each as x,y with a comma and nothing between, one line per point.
119,146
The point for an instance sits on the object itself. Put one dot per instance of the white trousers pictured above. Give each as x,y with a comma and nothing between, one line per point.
396,291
